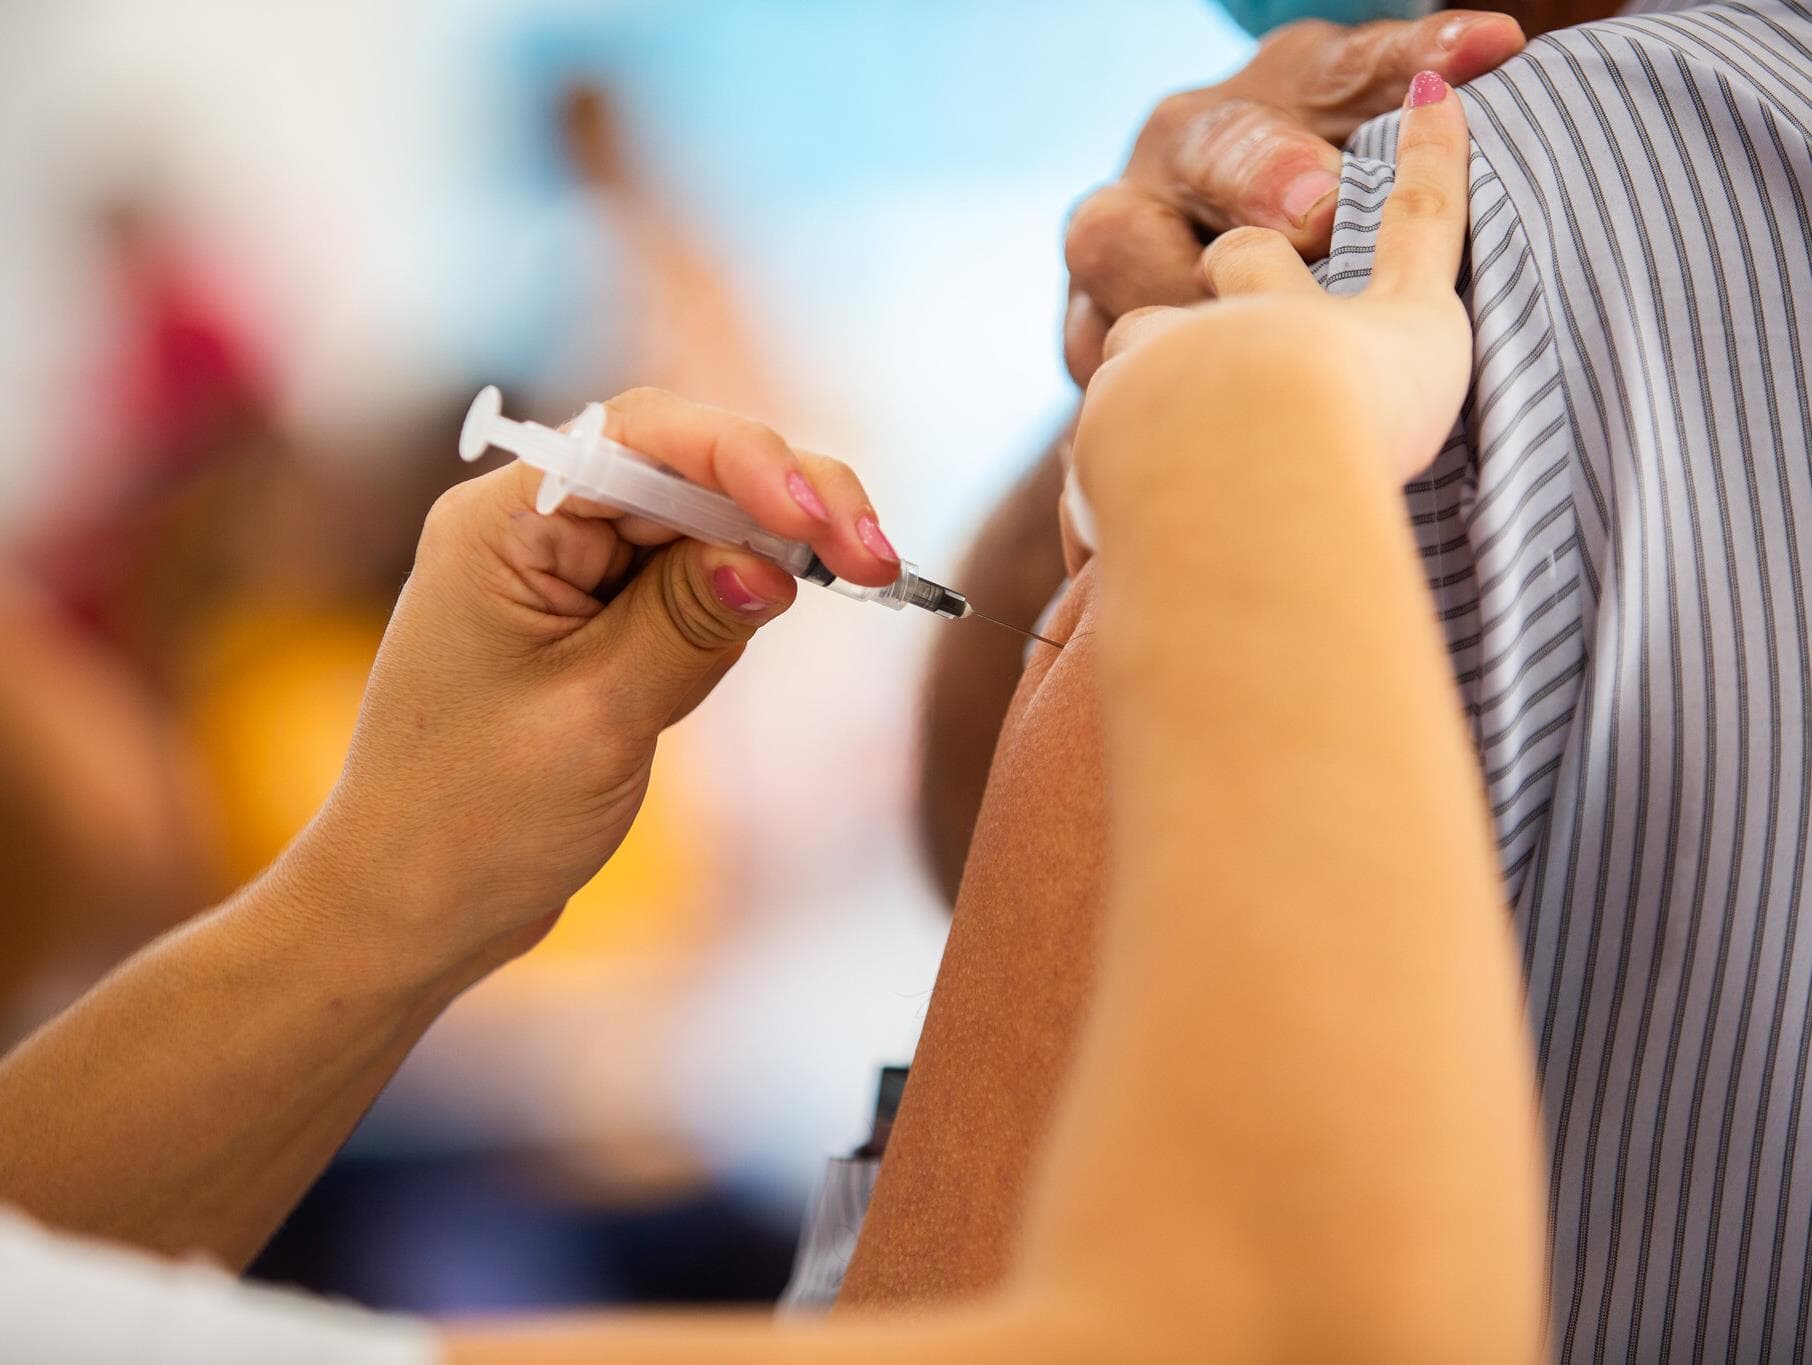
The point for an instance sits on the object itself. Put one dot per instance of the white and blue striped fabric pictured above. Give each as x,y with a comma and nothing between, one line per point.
1618,538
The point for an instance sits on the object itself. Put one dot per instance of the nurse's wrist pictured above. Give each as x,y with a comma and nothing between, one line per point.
389,926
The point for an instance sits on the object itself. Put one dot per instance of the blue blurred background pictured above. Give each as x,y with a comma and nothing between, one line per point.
257,259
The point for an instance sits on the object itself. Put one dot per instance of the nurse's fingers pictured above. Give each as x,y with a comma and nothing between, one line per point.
1252,260
1424,223
858,550
722,451
750,462
1084,330
1136,328
557,566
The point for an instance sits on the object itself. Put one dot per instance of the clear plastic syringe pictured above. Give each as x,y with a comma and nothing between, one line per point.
584,461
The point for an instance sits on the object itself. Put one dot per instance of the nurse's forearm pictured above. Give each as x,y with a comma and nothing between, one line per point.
188,1100
1308,1012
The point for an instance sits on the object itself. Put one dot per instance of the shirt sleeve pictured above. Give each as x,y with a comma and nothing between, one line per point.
84,1303
828,1239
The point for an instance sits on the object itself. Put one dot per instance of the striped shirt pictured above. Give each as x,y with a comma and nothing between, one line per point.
1618,536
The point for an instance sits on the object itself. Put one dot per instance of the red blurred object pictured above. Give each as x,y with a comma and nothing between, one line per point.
182,384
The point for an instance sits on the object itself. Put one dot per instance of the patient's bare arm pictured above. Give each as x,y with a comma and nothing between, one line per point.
1010,572
1010,996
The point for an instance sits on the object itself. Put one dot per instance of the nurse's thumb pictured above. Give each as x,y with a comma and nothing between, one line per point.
681,621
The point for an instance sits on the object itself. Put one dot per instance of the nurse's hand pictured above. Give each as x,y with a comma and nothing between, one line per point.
510,722
1261,149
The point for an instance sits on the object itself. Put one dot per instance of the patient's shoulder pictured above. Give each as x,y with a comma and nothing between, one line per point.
1070,622
1041,821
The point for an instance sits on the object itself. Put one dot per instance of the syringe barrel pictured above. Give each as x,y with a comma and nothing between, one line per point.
627,481
908,590
584,461
617,476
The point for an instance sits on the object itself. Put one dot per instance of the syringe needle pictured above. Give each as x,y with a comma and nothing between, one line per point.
1017,630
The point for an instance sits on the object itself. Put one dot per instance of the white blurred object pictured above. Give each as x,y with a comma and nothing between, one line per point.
82,1302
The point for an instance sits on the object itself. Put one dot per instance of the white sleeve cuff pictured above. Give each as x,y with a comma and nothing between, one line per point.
85,1303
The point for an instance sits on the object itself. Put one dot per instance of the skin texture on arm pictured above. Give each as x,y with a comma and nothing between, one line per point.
1010,996
1010,572
190,1099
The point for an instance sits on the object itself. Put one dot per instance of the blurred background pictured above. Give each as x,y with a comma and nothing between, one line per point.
256,261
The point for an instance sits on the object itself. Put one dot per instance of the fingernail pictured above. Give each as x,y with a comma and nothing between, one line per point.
1427,88
1307,190
807,496
734,593
868,531
1454,30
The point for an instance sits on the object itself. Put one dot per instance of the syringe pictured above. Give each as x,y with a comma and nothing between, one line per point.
583,460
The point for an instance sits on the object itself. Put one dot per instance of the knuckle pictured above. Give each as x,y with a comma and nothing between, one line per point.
1235,257
1126,327
1426,142
1172,113
1416,202
702,625
1227,250
1229,121
1228,146
1083,336
448,513
1347,68
745,437
1091,246
443,512
749,430
1301,33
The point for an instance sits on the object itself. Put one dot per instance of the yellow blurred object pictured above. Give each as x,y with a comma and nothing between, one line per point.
275,695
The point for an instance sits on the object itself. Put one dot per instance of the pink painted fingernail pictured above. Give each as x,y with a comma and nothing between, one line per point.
734,593
1427,88
868,531
807,496
1305,191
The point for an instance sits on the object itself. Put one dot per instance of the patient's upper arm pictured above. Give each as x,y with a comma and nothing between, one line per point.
1015,974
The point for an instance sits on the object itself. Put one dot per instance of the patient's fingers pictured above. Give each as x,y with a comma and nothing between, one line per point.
1251,260
1424,227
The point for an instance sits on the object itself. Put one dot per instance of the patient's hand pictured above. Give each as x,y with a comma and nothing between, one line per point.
1260,149
1396,358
